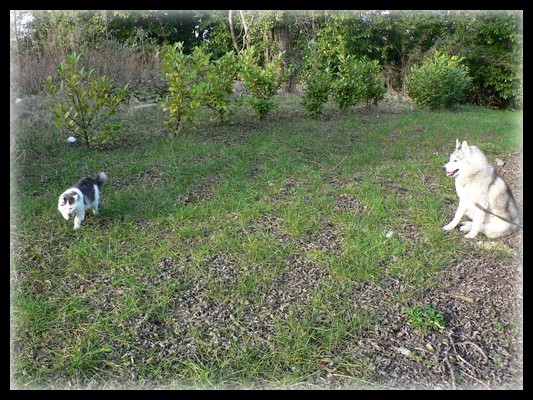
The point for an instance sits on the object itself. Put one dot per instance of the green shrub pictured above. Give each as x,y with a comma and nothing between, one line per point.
373,87
317,88
261,82
218,85
183,73
440,82
357,81
194,82
316,75
503,80
348,79
84,104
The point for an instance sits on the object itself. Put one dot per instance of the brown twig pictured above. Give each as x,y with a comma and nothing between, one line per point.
452,373
465,362
477,348
461,297
331,169
340,162
474,378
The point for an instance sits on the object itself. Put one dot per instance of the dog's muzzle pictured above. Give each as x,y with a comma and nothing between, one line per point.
450,173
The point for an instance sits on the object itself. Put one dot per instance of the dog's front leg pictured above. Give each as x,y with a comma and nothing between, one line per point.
478,217
461,209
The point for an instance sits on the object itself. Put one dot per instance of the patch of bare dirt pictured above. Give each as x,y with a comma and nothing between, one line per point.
479,348
327,240
269,224
202,326
201,191
512,171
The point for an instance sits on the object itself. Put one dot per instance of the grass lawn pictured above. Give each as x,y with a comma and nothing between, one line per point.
236,255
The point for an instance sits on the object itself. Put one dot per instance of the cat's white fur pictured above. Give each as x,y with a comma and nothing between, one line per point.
80,202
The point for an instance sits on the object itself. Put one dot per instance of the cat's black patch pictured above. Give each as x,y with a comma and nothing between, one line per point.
70,197
86,186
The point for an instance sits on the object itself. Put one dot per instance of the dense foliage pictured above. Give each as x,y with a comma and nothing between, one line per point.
440,82
357,81
490,42
195,81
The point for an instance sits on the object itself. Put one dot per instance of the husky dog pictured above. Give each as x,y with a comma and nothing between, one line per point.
82,196
484,196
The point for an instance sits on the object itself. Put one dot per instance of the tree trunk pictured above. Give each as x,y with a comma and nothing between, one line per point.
245,37
314,24
267,39
232,30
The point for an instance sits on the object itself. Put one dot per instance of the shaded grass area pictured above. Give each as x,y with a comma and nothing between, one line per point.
233,256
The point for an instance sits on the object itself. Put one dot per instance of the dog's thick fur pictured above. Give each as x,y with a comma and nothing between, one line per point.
82,196
477,182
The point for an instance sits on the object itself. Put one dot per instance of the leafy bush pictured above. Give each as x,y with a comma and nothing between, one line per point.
348,79
194,82
316,91
503,82
90,102
492,47
317,76
357,81
373,87
261,82
182,72
219,85
440,82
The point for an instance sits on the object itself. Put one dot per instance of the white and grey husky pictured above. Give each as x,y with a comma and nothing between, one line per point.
484,196
82,196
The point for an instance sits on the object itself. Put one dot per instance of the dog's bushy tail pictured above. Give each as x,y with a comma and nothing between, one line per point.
100,179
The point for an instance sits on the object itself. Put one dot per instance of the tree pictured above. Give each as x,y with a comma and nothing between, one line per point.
246,26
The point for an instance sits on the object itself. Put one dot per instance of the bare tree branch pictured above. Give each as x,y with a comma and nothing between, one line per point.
232,30
246,27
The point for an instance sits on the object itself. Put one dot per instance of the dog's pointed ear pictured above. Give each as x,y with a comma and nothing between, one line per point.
457,144
465,147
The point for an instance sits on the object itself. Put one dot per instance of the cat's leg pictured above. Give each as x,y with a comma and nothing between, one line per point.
96,201
80,215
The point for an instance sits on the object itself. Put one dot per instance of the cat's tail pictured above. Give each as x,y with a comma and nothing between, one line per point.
100,179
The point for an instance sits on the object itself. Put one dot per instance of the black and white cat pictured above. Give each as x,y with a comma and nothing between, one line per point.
82,196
